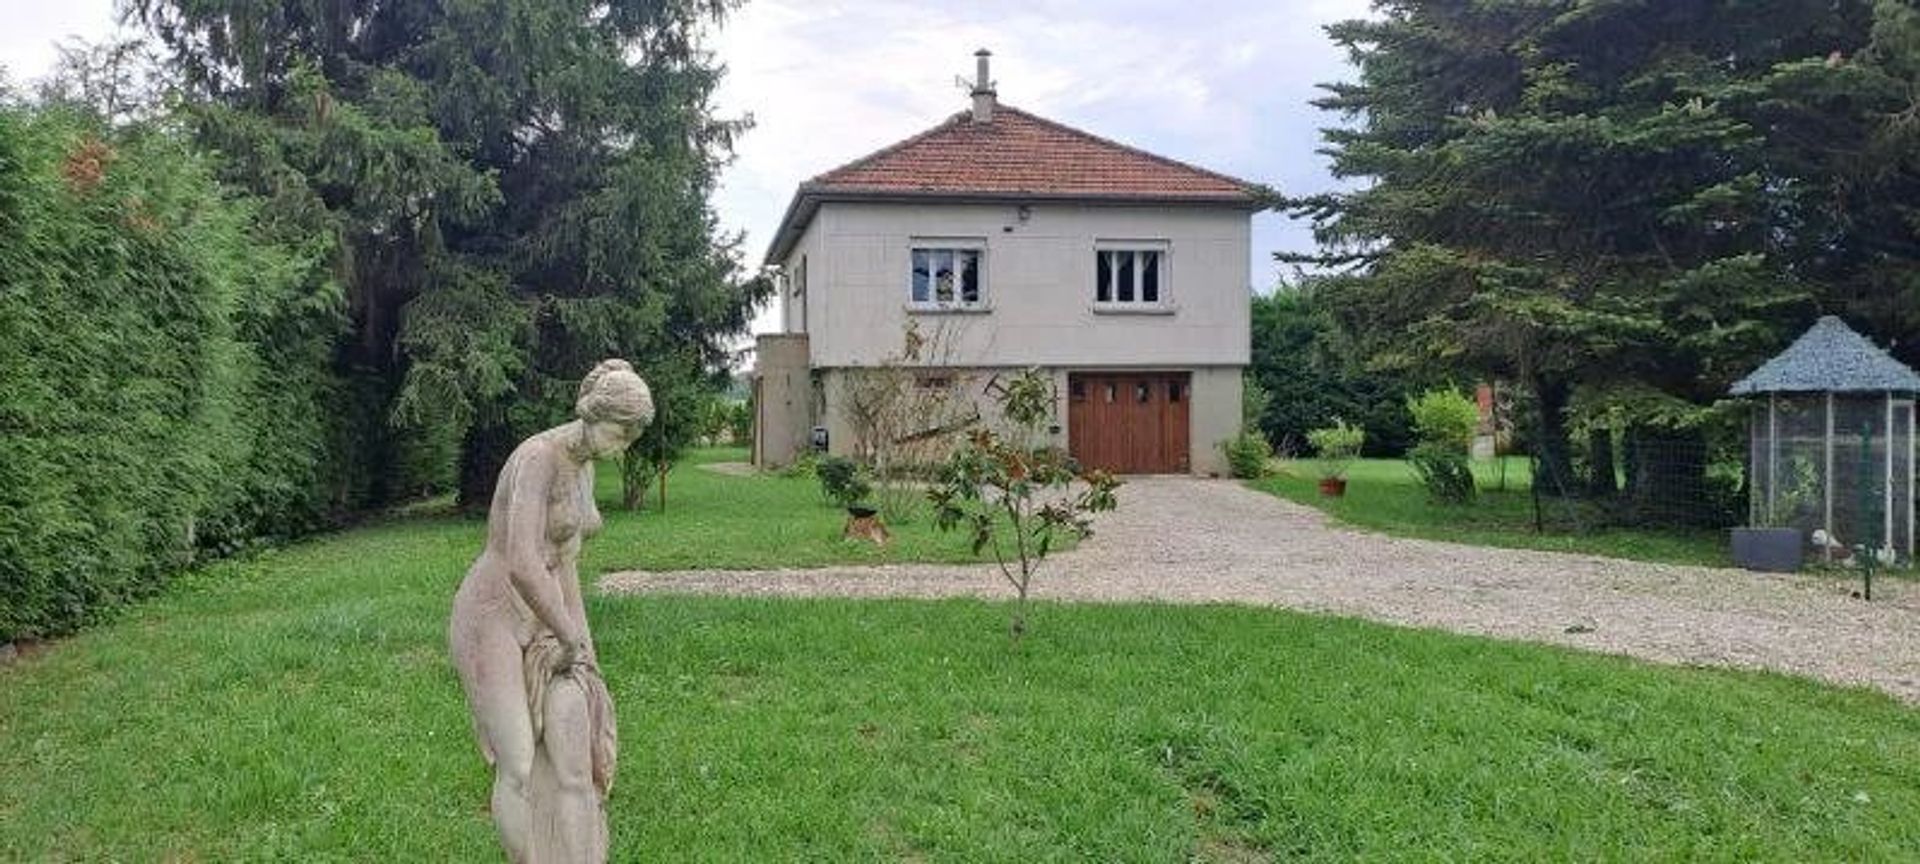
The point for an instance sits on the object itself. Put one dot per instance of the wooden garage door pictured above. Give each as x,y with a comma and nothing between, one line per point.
1129,423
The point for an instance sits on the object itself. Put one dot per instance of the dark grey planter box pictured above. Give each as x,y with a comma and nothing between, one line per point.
1776,550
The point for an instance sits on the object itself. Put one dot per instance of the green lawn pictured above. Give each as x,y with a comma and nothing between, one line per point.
299,706
1384,495
746,523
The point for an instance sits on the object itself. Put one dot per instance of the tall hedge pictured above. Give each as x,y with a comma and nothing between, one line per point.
163,368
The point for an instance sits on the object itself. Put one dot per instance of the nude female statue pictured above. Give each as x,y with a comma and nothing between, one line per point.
519,632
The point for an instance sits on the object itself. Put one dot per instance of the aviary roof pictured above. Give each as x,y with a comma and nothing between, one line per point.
1015,155
1829,357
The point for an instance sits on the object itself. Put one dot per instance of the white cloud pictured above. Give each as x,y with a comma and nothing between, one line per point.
34,29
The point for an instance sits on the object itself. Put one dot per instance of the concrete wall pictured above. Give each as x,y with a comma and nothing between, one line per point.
970,385
1215,417
1213,410
782,398
1038,285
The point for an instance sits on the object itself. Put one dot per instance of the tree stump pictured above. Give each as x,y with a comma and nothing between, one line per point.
864,524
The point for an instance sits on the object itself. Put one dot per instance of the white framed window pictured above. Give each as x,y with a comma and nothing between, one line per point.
947,275
1131,275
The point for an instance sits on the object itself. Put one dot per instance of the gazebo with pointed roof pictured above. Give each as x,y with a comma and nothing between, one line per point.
1833,443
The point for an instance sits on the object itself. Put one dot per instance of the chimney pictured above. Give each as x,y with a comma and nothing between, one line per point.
983,92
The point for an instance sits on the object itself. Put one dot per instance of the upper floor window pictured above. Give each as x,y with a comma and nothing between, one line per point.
946,276
1130,275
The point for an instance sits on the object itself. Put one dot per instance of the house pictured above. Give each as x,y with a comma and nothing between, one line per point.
1012,241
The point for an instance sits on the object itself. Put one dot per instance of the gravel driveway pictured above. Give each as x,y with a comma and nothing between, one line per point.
1182,540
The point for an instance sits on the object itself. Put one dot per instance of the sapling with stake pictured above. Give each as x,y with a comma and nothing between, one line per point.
1015,494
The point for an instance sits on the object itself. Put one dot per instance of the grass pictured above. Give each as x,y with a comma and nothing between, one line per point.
717,521
1384,495
299,706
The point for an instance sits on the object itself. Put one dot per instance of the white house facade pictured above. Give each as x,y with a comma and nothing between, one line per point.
1004,242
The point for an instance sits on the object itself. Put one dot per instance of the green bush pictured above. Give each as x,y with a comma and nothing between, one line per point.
1444,417
1313,372
1445,422
1444,470
740,422
1247,455
163,370
843,481
806,464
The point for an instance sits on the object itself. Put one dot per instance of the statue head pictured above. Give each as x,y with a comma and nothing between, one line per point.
614,406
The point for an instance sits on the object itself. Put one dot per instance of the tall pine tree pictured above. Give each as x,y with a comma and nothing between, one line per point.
1582,196
519,187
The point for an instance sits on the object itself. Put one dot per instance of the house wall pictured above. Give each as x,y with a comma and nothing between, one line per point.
1215,417
782,398
1038,282
1214,410
804,268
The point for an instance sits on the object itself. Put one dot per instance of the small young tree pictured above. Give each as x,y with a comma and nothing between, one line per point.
1014,496
680,392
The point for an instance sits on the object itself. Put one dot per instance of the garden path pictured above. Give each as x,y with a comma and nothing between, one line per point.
1182,540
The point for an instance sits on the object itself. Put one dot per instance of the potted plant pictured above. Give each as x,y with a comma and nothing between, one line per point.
846,483
843,482
1337,446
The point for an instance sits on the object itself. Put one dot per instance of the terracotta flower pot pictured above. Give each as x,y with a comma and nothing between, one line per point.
1333,487
863,523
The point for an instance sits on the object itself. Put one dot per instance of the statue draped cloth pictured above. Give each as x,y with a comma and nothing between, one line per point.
547,683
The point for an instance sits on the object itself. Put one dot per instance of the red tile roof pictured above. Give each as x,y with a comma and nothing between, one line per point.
1016,155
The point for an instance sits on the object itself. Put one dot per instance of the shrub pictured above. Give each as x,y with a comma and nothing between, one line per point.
1337,446
806,464
1254,400
1313,372
1444,417
843,481
1444,470
1247,455
740,422
1445,422
165,363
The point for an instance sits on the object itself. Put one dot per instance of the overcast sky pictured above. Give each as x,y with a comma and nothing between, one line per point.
1223,84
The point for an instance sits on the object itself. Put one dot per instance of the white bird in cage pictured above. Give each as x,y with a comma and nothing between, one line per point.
1886,556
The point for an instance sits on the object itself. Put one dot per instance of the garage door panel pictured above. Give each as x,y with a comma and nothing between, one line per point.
1129,423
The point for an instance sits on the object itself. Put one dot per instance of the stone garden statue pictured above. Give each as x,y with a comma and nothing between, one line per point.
519,632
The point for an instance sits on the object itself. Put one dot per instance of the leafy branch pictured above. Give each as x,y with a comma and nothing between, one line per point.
1015,498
